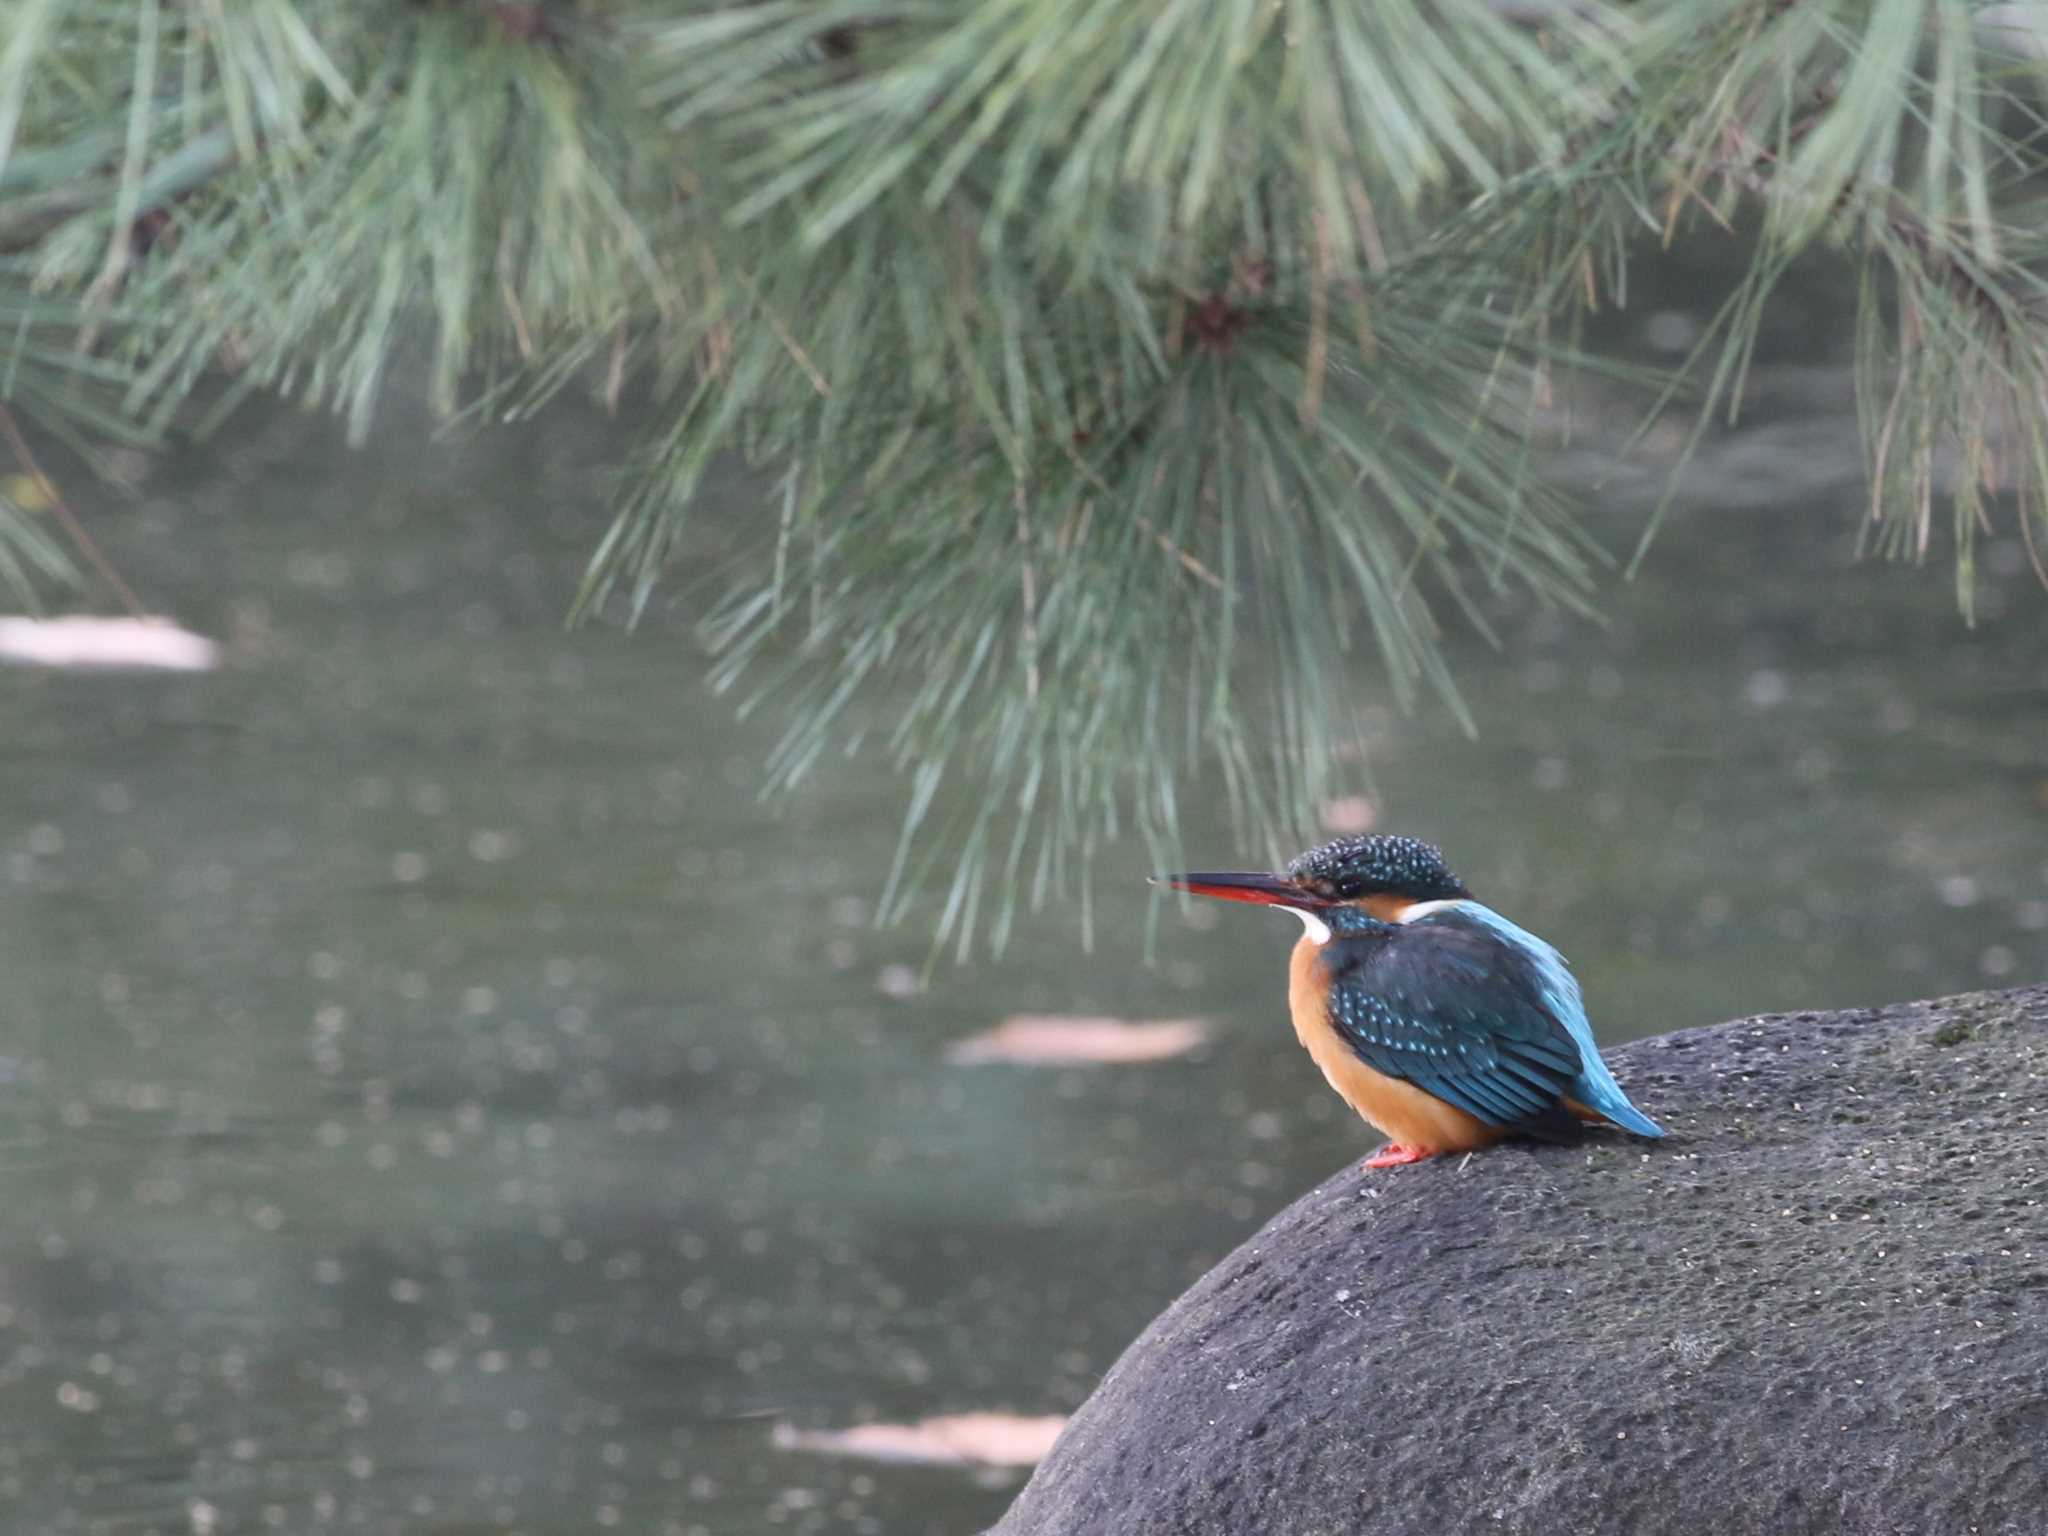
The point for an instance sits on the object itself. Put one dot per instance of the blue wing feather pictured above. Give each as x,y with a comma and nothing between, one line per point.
1478,1012
1594,1085
1450,1009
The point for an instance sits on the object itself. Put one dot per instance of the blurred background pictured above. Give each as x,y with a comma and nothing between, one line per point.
437,1093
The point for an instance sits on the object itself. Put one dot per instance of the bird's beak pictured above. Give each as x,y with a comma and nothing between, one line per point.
1265,890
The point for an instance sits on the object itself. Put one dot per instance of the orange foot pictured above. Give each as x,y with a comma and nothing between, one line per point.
1394,1154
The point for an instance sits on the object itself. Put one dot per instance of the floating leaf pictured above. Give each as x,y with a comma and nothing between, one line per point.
962,1439
1347,814
83,643
1061,1039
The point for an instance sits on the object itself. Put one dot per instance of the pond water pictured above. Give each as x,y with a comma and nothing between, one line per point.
436,1095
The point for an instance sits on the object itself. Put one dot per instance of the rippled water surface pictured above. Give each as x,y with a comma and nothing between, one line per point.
437,1095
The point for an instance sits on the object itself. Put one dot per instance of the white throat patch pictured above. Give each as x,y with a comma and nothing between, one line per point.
1318,930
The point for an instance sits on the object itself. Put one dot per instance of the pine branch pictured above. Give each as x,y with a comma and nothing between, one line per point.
1880,129
1118,373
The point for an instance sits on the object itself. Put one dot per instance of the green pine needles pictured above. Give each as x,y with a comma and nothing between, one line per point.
1114,371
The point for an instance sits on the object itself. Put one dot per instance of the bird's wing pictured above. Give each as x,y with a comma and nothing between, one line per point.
1595,1087
1446,1005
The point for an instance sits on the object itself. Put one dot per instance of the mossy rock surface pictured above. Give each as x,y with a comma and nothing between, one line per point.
1820,1306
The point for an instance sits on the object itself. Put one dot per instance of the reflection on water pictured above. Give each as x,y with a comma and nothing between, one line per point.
437,1095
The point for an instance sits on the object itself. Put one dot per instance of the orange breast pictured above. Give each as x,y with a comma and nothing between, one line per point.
1401,1111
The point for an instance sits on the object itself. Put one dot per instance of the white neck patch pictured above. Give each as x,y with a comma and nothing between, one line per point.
1423,909
1318,931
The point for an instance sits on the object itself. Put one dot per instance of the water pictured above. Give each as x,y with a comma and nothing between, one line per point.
437,1095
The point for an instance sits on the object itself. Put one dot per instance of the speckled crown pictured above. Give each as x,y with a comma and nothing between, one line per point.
1351,867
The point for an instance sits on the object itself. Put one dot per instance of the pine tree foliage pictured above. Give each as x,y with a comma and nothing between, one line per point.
1116,371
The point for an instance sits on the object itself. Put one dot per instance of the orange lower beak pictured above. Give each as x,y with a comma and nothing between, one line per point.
1262,889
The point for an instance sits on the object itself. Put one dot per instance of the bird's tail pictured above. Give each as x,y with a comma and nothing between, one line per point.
1604,1097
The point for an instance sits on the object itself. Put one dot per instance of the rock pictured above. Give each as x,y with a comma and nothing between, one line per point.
1820,1306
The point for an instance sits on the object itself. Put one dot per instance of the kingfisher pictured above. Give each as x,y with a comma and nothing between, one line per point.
1443,1024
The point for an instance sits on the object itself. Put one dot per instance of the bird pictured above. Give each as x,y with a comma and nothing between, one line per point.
1444,1025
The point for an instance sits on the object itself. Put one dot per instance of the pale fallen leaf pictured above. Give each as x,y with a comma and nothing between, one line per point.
961,1439
1055,1039
151,644
1347,813
898,981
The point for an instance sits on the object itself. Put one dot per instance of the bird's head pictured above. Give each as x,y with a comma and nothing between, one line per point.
1341,884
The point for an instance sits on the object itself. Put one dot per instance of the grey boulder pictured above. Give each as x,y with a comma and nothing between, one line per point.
1820,1306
